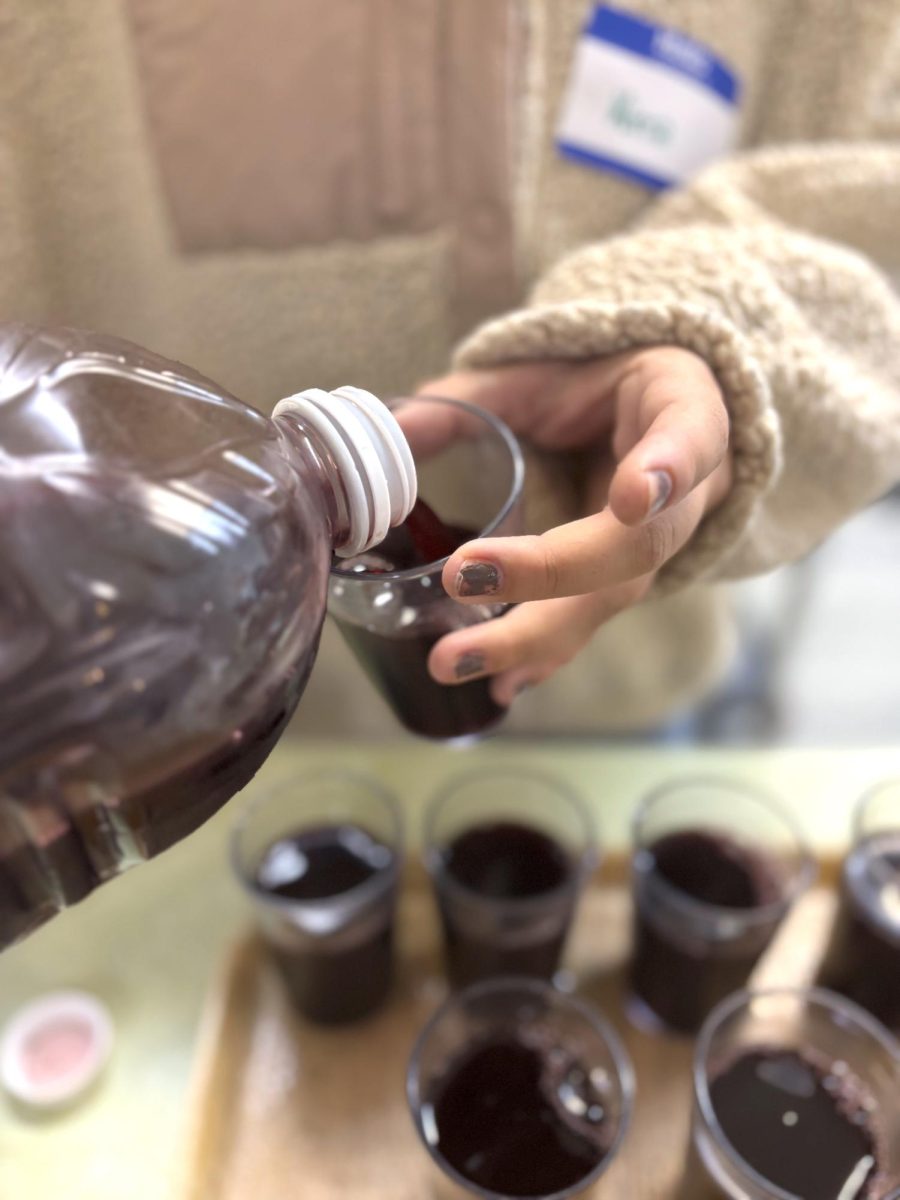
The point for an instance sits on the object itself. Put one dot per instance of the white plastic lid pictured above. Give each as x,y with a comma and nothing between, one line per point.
372,455
54,1048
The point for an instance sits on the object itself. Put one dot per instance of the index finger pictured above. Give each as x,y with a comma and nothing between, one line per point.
571,560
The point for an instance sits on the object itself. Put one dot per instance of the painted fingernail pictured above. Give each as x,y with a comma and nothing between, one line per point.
478,579
660,491
468,664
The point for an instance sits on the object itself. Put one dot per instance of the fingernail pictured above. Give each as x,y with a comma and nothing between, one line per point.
478,579
660,491
468,664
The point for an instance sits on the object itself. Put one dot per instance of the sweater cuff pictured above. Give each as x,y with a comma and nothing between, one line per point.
583,329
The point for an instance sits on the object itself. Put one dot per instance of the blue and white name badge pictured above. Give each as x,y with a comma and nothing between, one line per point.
646,101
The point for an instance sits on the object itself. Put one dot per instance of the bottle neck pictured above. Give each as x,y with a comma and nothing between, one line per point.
318,464
359,454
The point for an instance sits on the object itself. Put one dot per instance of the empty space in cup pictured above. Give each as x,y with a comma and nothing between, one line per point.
716,866
508,852
863,956
390,605
320,857
517,1090
795,1098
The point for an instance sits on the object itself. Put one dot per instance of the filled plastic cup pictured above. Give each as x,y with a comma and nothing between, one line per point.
863,958
795,1098
716,867
517,1090
509,853
470,473
321,858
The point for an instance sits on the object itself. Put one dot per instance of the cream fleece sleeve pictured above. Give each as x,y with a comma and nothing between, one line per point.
765,268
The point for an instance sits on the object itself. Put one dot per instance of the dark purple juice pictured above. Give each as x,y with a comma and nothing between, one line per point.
679,969
504,861
423,538
806,1127
519,1118
398,667
78,845
863,957
397,662
346,974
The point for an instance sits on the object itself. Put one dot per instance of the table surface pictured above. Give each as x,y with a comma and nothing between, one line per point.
148,943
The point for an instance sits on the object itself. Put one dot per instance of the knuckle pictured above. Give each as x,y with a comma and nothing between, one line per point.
510,648
542,647
654,547
552,570
531,642
722,424
544,571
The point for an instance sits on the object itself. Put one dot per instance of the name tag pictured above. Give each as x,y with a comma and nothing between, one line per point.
646,101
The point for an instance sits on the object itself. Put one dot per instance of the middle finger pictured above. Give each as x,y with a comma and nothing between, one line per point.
584,556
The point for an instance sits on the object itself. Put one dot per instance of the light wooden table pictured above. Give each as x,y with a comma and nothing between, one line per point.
147,944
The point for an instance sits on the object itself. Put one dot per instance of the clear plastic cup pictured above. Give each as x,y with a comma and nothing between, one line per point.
584,1067
321,858
716,867
863,957
858,1061
470,471
509,852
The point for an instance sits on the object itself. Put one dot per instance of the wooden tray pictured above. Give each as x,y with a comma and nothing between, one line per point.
281,1110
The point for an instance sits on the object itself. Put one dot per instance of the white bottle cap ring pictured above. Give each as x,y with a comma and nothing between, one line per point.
53,1048
390,443
372,456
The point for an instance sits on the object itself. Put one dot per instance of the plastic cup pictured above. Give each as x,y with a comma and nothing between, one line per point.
509,852
576,1044
470,471
839,1037
863,957
334,950
733,844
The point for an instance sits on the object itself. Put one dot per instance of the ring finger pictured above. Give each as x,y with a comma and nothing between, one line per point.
531,641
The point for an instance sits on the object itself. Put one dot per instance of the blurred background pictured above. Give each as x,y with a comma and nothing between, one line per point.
342,205
161,185
815,645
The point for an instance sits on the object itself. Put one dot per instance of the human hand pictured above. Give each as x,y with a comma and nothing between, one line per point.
659,422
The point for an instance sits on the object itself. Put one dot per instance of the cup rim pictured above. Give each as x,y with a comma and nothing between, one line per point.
885,872
760,914
585,866
539,989
352,897
820,997
518,463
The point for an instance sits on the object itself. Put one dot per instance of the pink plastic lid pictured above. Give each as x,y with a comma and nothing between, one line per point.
53,1048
